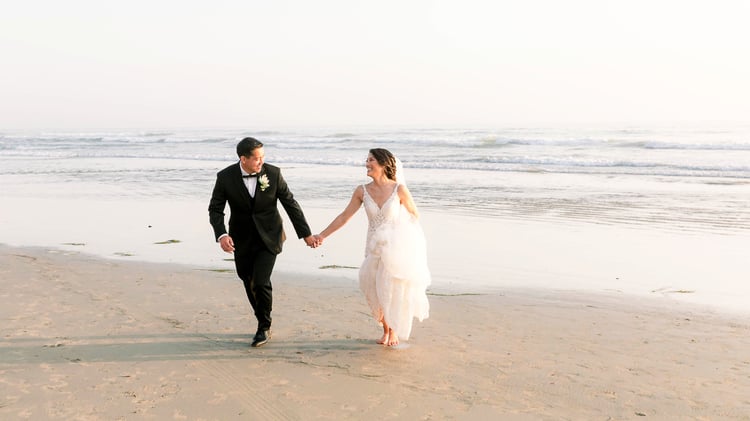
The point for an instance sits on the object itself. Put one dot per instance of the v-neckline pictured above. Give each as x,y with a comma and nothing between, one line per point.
380,207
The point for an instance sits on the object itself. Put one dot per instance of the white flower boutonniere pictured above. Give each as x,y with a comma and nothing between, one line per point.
263,180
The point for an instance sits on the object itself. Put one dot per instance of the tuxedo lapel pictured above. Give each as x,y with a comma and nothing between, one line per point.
257,184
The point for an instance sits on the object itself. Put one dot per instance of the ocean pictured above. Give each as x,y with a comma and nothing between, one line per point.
665,178
648,211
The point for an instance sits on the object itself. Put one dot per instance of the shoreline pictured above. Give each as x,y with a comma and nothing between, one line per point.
465,253
86,337
343,276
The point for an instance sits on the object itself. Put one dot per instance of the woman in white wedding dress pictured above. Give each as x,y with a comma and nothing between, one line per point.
394,275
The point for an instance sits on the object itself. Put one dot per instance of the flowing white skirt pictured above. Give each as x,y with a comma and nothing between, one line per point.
394,275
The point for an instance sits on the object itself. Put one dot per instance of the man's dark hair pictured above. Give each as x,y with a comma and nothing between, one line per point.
247,146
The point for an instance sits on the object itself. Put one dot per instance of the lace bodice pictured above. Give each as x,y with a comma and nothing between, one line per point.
377,216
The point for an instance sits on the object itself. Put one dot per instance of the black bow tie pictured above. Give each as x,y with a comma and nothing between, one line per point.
250,175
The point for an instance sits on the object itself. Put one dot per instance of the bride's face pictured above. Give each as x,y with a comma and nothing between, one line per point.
374,168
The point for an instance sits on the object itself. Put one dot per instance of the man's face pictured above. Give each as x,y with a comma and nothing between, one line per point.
254,162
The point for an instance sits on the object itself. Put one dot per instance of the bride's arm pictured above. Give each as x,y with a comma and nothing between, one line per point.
348,212
405,196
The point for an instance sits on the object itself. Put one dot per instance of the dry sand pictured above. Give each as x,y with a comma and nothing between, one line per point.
87,338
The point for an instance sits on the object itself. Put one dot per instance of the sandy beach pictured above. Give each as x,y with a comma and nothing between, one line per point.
581,172
88,338
554,296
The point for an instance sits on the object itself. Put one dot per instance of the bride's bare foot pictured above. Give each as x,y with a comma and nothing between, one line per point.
392,339
386,329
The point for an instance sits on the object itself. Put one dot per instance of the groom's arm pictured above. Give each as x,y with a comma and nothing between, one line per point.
216,210
292,209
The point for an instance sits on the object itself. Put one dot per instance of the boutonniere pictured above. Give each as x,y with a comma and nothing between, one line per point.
263,180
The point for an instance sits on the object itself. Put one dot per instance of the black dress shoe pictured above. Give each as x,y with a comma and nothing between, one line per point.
261,337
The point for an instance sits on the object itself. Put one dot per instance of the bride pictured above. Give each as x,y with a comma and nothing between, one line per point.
394,275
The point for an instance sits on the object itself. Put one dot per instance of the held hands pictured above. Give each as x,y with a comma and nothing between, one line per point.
314,240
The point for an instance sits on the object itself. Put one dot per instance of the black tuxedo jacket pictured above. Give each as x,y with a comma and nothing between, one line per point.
262,211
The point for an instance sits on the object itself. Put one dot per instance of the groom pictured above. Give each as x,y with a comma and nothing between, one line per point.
256,234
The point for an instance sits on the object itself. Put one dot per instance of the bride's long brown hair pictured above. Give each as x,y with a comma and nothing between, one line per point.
387,160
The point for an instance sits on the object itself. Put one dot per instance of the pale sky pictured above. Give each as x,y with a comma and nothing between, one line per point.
422,63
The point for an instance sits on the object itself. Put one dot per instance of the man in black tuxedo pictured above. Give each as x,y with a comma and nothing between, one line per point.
256,234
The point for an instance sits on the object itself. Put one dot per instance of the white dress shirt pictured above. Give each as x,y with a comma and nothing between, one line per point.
250,182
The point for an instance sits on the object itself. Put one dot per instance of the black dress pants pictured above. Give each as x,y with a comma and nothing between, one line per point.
254,267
